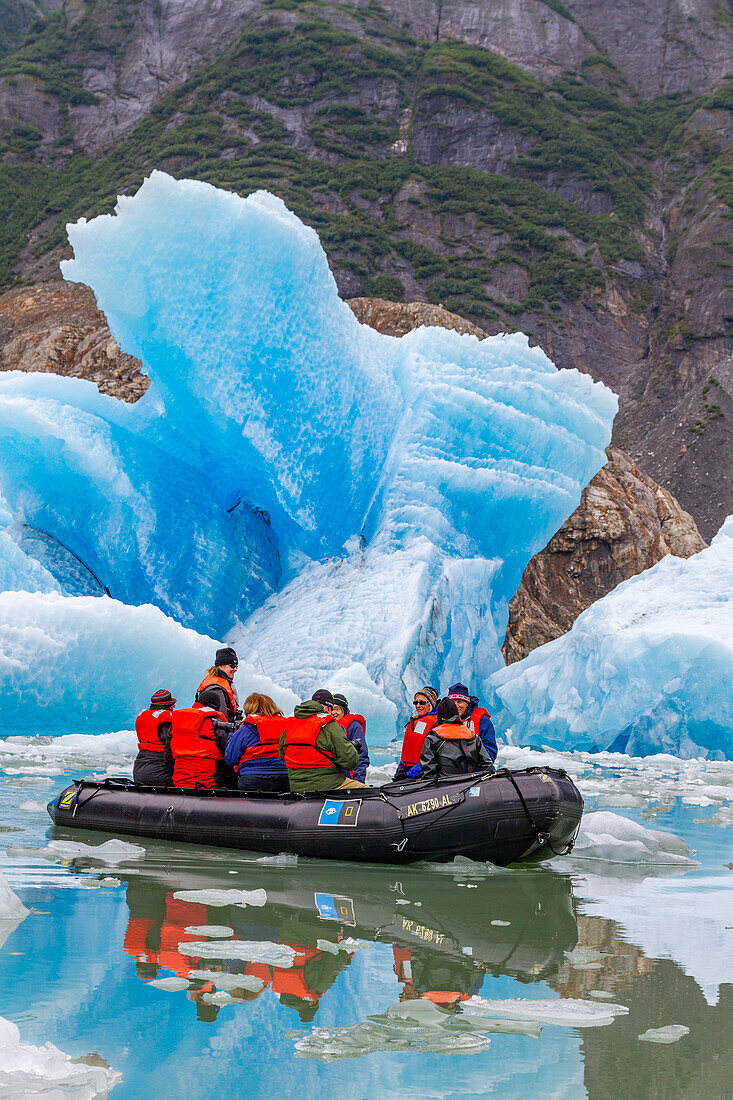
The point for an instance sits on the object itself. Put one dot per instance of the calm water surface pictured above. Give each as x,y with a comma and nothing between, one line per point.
343,981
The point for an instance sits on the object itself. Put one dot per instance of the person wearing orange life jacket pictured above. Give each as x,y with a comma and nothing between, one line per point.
217,687
316,750
355,727
474,716
425,701
450,748
252,750
198,740
153,765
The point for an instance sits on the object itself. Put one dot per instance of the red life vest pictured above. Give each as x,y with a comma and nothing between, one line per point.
475,717
213,680
415,733
146,728
194,747
347,719
300,742
292,979
269,730
136,937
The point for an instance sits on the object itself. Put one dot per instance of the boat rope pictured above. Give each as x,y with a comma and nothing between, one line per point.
472,781
541,838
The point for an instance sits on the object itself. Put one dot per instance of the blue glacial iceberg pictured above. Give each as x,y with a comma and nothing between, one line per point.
346,507
646,669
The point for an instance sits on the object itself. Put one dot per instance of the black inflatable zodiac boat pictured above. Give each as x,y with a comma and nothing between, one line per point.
503,817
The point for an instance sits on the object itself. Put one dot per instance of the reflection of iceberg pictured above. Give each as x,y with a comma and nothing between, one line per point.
26,1070
367,502
648,668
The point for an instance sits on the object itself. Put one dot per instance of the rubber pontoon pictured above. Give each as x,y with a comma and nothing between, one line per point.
503,817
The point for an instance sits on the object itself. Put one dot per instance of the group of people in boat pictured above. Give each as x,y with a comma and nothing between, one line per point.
321,747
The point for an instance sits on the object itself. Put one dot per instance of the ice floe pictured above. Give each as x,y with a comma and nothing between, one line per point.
670,1033
27,1070
223,897
212,931
615,839
11,907
565,1011
264,951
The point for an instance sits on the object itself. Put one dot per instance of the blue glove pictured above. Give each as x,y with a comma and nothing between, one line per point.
414,772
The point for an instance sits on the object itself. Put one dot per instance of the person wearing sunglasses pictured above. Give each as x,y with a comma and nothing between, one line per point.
217,689
425,702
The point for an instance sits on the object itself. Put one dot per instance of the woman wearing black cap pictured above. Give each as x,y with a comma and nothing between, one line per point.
153,765
217,689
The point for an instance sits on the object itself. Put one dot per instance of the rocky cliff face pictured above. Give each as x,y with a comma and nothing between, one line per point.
56,328
624,523
559,168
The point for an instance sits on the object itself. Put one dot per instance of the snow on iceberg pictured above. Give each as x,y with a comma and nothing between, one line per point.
80,663
344,505
647,669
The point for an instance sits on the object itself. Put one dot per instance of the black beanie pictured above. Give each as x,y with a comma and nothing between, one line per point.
323,695
447,711
343,702
226,656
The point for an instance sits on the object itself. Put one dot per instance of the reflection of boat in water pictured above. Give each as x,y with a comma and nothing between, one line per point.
505,817
445,937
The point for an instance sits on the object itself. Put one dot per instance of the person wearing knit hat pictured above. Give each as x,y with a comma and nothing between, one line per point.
474,716
153,765
450,747
424,701
217,689
355,727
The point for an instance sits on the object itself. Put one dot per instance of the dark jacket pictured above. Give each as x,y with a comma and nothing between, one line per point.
331,740
452,749
485,730
155,769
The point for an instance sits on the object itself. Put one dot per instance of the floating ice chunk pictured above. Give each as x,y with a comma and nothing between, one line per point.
224,980
170,985
671,1033
264,951
11,907
329,947
284,859
220,998
501,923
650,666
212,931
566,1011
111,852
223,897
27,1070
31,807
607,836
600,994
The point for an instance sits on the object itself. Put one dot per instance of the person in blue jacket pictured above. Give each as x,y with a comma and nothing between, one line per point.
475,717
252,750
354,726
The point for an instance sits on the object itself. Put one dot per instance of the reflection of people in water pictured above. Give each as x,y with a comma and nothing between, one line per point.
442,979
156,931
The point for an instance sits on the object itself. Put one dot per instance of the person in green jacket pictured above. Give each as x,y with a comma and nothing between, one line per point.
308,760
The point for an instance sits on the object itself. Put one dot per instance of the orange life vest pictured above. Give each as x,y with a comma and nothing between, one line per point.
146,728
269,730
445,996
475,718
451,731
292,979
415,733
300,742
194,746
213,680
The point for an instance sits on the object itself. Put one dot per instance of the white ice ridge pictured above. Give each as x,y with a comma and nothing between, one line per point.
364,505
27,1070
647,669
11,907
